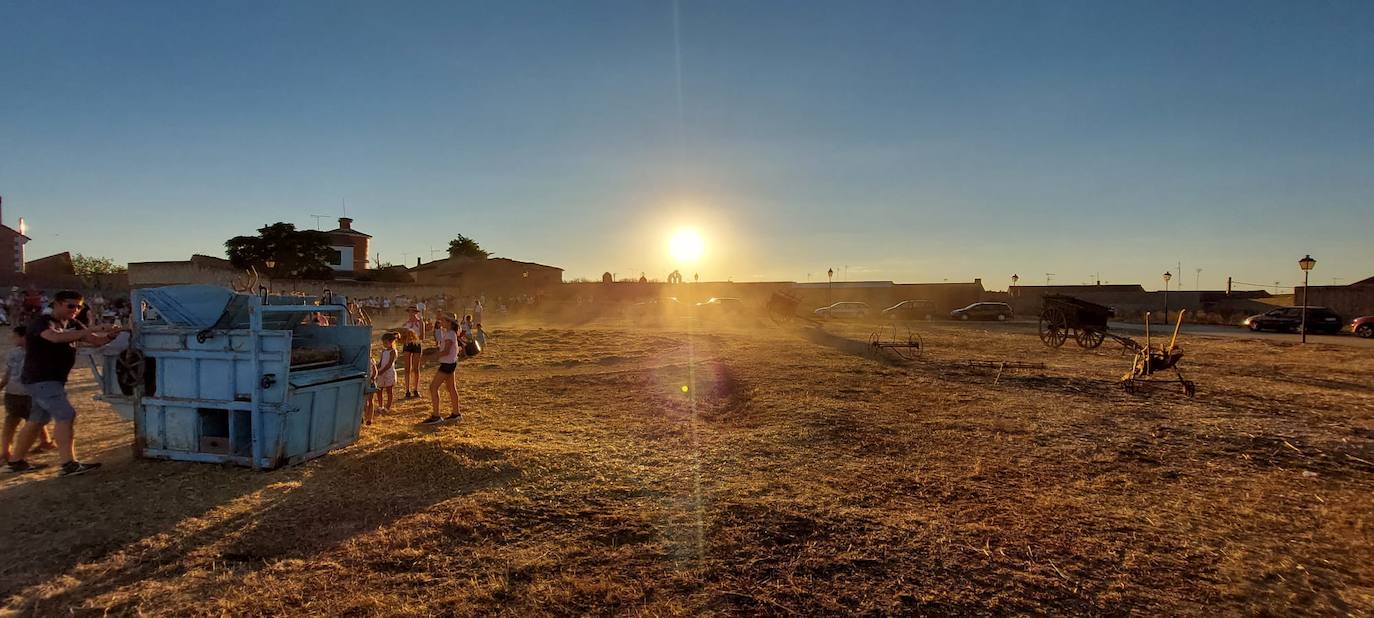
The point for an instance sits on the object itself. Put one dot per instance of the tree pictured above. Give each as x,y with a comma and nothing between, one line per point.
303,254
87,265
462,246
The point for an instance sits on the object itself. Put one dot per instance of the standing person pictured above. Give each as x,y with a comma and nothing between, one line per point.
447,327
97,305
477,311
18,405
386,373
412,349
51,353
465,330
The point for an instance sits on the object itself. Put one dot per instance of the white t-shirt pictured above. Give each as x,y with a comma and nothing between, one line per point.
446,335
415,326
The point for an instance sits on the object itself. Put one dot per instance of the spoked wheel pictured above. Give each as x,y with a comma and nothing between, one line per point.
1054,327
912,349
130,368
1088,338
780,315
908,348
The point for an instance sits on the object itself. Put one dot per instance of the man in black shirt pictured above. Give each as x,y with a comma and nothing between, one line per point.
51,353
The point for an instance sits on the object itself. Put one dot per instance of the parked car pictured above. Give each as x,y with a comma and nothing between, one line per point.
1363,327
983,311
654,307
720,306
1319,320
911,310
843,310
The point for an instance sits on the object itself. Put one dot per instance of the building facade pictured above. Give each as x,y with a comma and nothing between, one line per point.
491,276
350,247
12,243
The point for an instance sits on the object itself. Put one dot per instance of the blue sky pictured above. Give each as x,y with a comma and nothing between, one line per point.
907,140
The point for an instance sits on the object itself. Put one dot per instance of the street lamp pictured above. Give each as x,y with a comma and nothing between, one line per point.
830,283
1167,277
1306,264
270,264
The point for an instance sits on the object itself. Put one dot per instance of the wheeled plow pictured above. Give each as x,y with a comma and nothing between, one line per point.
906,347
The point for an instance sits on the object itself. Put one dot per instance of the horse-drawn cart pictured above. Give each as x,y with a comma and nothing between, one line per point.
1062,317
782,309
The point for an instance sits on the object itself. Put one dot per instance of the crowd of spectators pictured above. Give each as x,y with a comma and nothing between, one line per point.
21,306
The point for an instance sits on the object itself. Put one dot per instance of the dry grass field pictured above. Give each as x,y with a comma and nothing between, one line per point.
797,474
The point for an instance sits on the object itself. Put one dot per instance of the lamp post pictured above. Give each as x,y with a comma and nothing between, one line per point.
1306,264
1014,279
270,264
1167,277
830,286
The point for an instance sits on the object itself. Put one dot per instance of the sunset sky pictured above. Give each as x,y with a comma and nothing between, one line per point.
910,141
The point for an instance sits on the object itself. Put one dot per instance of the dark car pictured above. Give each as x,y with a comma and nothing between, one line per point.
983,311
719,306
1319,320
910,310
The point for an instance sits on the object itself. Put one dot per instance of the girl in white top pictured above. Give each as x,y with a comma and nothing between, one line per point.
386,373
446,331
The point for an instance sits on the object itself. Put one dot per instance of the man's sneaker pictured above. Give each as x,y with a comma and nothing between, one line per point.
453,417
24,466
73,468
433,420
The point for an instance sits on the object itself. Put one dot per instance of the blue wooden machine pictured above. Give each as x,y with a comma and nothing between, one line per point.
211,375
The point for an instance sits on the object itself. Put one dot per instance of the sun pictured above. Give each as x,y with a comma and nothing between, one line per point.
686,246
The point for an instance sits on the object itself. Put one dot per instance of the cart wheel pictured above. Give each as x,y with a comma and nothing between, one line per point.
1089,339
129,370
779,315
1054,327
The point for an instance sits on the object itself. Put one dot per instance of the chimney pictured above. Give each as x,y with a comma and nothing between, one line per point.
417,262
345,223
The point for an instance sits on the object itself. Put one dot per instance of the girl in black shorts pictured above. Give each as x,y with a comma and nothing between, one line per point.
446,331
411,350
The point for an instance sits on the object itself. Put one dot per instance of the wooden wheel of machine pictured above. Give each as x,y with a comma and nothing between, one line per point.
130,368
1054,327
1088,338
780,315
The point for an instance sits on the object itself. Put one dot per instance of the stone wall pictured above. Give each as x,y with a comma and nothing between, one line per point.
1348,301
